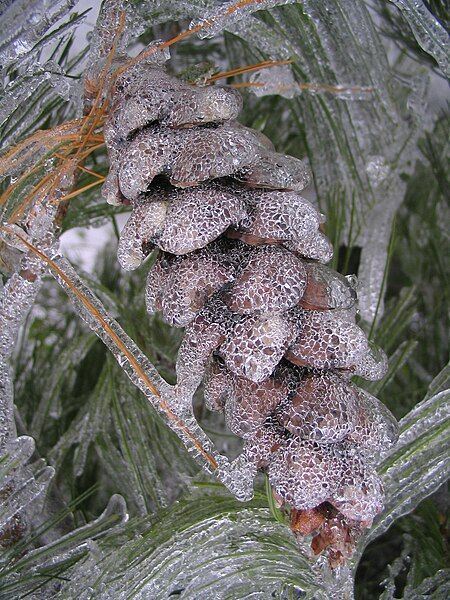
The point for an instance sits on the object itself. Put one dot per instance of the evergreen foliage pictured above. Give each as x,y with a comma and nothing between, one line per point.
106,502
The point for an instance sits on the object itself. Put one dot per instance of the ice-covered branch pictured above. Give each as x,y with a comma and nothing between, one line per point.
238,475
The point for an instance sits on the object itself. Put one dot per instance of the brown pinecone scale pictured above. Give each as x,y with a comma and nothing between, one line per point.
270,329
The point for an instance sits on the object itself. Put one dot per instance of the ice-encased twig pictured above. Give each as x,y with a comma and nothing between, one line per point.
76,542
42,568
238,475
7,425
22,492
280,81
108,38
16,299
230,12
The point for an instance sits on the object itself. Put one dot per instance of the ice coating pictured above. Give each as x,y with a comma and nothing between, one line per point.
260,448
374,363
178,221
250,403
278,80
155,282
186,156
320,249
181,285
376,429
216,384
146,221
282,217
255,345
359,495
304,473
206,105
270,329
327,341
323,409
279,216
150,94
206,332
197,217
224,16
276,171
145,95
272,280
326,289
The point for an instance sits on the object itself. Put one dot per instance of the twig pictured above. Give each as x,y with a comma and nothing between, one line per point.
121,345
266,64
183,35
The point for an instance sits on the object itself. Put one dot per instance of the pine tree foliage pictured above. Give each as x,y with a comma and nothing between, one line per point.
99,498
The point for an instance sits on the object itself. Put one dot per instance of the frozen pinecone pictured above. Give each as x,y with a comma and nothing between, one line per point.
270,329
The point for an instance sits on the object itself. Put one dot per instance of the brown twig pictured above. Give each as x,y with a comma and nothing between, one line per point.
265,64
311,87
183,35
121,346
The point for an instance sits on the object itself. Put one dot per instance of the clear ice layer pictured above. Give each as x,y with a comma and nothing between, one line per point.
255,345
304,473
286,218
149,94
327,341
323,409
229,13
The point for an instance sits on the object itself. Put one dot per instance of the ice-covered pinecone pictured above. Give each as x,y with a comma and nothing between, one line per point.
270,329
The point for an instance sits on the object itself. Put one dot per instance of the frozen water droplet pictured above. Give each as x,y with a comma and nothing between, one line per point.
378,170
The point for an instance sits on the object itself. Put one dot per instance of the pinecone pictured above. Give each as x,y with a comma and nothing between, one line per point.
270,329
